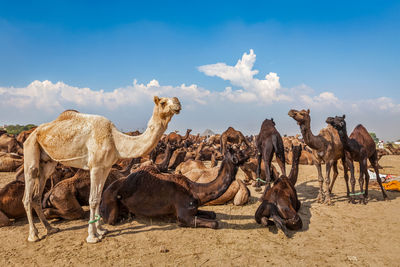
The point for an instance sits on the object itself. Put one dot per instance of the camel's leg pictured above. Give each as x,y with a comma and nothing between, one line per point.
187,219
374,162
363,167
320,197
4,221
352,181
346,163
259,157
281,165
31,173
206,214
46,169
98,176
328,166
335,174
366,183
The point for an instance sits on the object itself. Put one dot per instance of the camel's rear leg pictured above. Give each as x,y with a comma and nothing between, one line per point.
46,170
4,221
320,197
335,174
374,162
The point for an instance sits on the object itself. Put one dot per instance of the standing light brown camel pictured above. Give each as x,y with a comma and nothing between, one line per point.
268,142
326,147
234,137
359,146
88,142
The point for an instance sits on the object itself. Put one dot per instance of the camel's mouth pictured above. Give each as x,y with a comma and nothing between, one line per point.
176,109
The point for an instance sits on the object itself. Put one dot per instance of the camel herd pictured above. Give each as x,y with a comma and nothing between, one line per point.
65,164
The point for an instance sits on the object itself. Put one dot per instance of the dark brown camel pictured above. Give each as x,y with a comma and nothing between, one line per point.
359,146
22,136
234,137
268,142
67,197
11,206
174,138
140,193
280,203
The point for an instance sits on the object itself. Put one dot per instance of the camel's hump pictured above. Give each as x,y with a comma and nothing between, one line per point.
67,114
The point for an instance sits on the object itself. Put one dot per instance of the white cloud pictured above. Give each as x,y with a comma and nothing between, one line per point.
242,75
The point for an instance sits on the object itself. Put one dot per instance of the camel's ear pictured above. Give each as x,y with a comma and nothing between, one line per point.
156,100
308,111
344,116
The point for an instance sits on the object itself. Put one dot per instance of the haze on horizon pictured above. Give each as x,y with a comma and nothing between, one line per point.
230,64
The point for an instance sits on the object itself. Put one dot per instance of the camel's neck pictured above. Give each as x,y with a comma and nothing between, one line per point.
294,172
310,139
140,145
344,139
209,191
186,136
163,166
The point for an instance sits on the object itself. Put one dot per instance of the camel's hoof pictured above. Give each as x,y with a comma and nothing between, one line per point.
258,189
214,225
328,202
320,198
52,230
33,238
92,239
101,233
386,199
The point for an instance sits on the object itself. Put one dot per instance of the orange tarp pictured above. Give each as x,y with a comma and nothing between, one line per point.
392,185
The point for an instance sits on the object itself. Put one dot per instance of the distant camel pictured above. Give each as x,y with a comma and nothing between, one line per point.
234,137
174,138
89,142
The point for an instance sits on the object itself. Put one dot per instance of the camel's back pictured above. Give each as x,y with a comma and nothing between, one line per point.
361,135
69,135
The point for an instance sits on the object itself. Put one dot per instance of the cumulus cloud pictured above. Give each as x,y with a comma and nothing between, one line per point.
242,75
48,96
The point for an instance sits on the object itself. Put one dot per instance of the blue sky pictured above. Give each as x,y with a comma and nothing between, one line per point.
349,49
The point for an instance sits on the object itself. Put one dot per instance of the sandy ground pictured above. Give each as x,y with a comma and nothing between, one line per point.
343,234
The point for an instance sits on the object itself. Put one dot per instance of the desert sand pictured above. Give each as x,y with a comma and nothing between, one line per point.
338,235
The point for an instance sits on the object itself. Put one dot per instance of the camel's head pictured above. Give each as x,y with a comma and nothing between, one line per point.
337,122
300,116
166,106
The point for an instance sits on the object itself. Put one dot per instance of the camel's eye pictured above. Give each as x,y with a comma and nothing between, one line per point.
163,103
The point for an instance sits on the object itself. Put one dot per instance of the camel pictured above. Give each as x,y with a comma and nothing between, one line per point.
11,206
280,202
268,142
196,171
359,146
174,138
10,162
177,158
88,142
140,193
326,147
65,199
9,144
22,136
234,137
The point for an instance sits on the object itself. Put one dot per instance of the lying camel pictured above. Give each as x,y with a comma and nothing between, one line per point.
197,172
67,197
140,193
9,144
280,203
10,162
11,206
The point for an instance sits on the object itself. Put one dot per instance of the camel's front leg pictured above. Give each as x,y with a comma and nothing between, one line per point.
98,177
320,197
328,166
